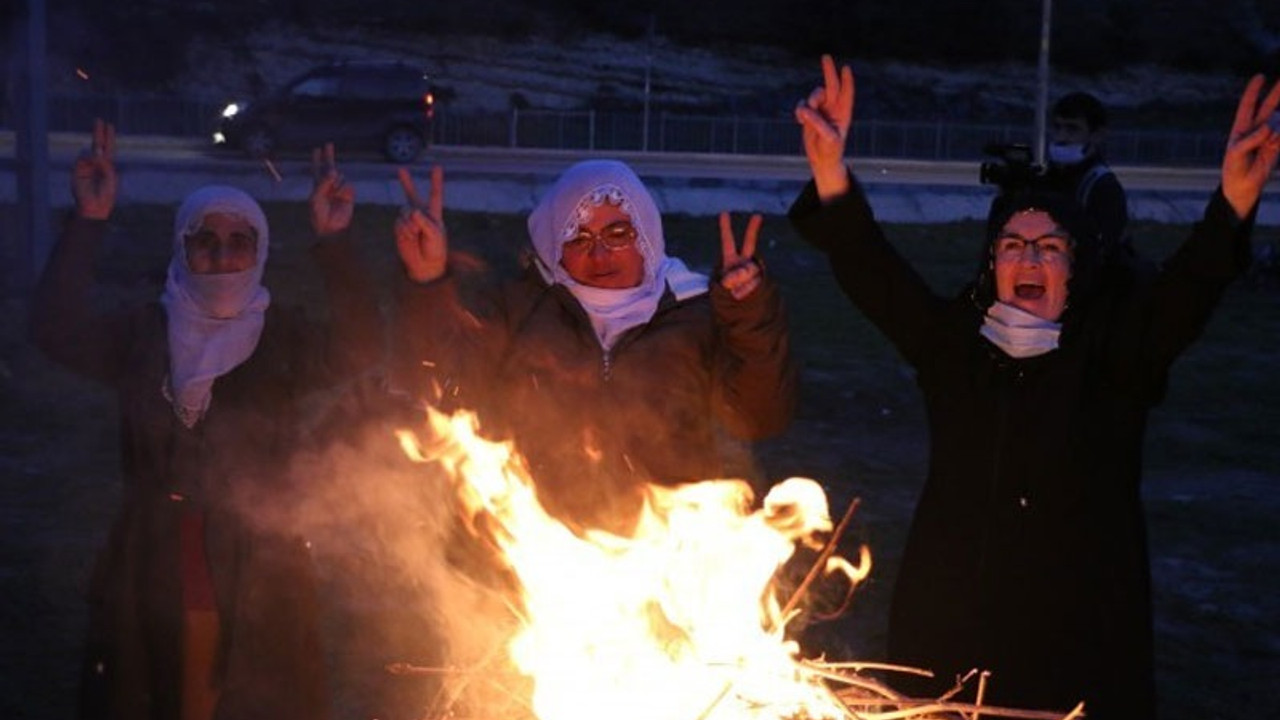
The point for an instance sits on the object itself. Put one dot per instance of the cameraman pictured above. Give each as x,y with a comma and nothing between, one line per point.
1077,129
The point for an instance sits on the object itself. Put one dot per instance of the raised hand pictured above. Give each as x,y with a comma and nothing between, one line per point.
421,239
740,273
1252,148
332,200
825,117
93,177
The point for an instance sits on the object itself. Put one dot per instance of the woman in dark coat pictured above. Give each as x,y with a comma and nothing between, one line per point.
1027,554
202,606
609,363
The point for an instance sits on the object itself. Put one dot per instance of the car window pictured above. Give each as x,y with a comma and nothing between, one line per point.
375,84
317,87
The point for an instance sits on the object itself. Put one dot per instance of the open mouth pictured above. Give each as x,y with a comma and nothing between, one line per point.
1028,291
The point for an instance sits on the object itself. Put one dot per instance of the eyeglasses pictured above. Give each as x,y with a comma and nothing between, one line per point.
1051,248
613,237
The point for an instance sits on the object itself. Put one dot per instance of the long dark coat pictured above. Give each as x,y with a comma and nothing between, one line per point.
673,401
270,663
1027,554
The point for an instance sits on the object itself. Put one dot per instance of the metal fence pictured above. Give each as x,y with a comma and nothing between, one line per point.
658,132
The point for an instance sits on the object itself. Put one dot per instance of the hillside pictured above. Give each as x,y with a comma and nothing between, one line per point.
493,73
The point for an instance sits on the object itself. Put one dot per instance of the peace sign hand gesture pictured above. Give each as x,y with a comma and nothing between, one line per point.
332,200
740,273
421,239
825,117
1253,146
93,177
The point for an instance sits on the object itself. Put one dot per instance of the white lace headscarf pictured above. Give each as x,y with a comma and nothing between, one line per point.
568,205
215,320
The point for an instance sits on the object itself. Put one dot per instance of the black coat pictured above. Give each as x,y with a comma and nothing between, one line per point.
676,399
231,468
1027,554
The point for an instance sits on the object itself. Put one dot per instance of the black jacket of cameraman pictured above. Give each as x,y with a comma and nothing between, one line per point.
1097,188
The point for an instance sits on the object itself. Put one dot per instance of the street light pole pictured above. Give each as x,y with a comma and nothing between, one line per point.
648,72
1042,96
30,113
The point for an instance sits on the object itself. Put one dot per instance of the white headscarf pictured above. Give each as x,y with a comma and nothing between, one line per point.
568,205
215,320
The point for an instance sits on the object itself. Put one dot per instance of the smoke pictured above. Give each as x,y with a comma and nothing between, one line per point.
417,617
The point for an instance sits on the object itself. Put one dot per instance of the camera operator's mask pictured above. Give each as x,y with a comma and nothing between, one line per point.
1071,141
1068,153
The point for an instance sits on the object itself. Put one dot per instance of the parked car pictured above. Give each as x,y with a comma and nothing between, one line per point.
384,106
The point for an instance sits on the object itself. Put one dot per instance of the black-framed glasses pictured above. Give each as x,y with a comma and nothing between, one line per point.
614,237
1050,248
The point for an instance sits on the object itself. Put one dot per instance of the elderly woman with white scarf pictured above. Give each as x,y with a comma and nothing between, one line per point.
610,364
200,607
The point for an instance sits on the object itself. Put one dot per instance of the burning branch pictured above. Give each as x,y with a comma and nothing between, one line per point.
820,564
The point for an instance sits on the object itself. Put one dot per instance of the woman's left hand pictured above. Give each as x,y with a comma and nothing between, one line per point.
1253,146
741,273
332,200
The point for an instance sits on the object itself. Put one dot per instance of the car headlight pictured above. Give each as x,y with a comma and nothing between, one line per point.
230,110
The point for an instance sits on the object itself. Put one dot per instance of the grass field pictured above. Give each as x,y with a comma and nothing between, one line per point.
1213,456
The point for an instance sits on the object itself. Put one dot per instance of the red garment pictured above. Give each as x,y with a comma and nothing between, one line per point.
197,584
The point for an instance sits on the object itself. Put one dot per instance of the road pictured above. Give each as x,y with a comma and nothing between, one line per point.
499,179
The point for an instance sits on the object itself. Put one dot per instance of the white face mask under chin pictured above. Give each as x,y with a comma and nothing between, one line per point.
1067,154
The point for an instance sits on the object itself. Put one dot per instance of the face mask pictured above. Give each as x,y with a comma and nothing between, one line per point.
1067,154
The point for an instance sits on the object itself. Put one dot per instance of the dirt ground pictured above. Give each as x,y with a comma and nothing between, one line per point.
1213,467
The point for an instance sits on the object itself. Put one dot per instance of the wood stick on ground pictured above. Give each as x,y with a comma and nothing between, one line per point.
860,666
982,691
960,683
913,708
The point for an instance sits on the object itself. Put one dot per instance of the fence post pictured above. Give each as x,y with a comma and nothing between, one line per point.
511,129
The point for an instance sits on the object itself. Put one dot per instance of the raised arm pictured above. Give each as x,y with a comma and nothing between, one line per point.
834,215
352,342
825,118
1193,279
1252,147
438,342
63,323
756,378
421,239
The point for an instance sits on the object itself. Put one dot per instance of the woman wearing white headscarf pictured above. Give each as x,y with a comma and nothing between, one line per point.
201,608
609,363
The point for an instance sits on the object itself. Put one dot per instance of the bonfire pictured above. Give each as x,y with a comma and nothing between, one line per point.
682,619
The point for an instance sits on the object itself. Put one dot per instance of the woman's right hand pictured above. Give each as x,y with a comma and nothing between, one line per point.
825,117
421,239
93,177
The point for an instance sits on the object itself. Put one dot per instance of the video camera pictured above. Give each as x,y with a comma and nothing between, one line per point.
1013,169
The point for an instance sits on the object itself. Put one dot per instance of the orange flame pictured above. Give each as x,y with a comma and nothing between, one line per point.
677,621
